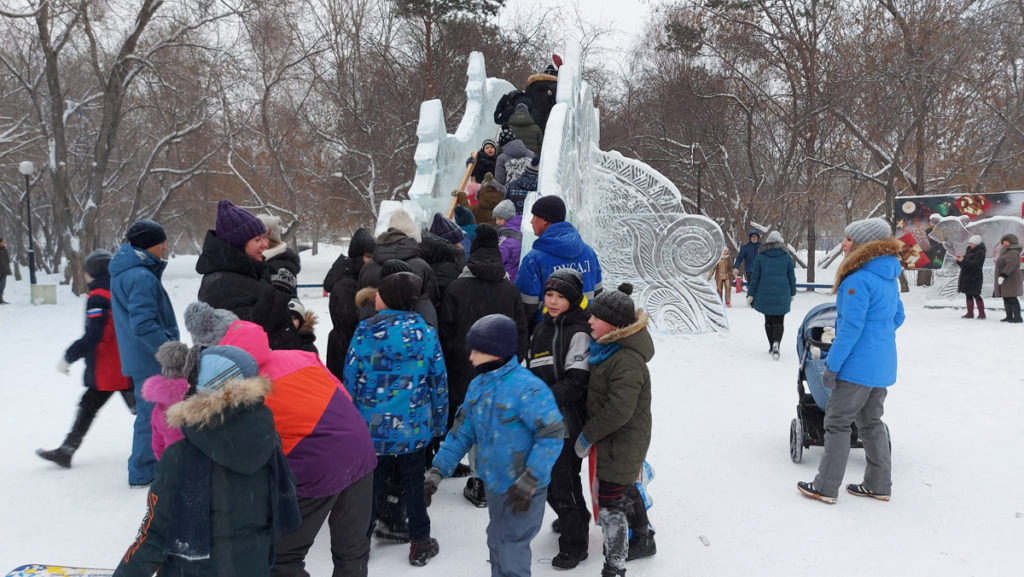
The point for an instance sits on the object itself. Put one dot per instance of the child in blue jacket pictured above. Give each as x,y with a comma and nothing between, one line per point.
511,417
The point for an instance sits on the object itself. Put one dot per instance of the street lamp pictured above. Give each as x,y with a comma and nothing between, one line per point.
27,168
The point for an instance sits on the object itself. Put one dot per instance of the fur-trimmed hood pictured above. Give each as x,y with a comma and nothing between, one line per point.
634,336
541,77
862,255
204,409
366,295
770,245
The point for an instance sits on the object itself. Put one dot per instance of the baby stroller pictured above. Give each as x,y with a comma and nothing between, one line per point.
808,428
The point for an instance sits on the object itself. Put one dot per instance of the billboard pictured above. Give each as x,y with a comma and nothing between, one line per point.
925,223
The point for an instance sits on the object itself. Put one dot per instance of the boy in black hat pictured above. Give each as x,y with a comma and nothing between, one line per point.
619,415
558,355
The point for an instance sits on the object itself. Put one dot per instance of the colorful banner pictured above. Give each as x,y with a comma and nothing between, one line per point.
913,227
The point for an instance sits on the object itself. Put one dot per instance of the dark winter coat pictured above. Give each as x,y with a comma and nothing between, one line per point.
484,164
5,261
747,254
340,283
481,290
445,258
281,257
98,346
233,281
559,354
542,90
525,129
773,282
507,106
143,316
512,161
868,312
1008,263
971,264
619,401
231,461
395,244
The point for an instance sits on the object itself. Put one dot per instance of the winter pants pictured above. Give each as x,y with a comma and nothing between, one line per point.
853,403
3,285
142,462
773,328
509,534
1012,306
565,495
724,288
92,401
410,471
346,514
621,509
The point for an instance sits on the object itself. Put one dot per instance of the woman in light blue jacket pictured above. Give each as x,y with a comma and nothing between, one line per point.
861,361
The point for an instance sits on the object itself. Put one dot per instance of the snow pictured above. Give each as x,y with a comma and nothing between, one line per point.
725,492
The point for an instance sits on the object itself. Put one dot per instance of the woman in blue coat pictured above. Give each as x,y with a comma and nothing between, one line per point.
861,363
772,288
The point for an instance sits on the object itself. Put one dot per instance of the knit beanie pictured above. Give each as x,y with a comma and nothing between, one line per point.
975,239
96,263
222,364
615,307
550,208
567,282
446,229
506,136
400,290
145,234
236,226
401,221
486,237
464,216
774,236
394,265
206,324
172,356
494,334
491,142
867,230
362,243
534,165
273,225
505,210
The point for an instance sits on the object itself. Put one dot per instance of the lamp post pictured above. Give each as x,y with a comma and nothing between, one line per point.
27,168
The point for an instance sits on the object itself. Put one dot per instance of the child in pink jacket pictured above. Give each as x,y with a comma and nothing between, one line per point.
164,390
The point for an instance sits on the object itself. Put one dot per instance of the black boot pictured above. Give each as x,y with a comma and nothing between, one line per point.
568,559
610,571
642,545
474,492
61,455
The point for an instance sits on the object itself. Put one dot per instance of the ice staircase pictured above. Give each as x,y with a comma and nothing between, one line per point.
628,212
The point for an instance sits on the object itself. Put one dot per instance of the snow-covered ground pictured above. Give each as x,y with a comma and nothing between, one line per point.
725,494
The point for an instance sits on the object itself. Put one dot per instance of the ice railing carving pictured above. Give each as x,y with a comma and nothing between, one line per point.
631,214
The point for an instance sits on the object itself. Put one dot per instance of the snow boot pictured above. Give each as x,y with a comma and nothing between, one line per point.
395,533
422,551
568,560
981,308
641,545
970,309
775,351
462,470
474,492
611,571
61,455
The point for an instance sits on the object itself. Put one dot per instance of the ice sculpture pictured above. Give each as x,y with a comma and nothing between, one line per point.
630,213
952,232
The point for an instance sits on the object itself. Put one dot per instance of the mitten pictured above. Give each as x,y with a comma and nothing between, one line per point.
431,481
828,379
521,492
1002,277
750,301
63,366
582,446
735,272
470,160
283,280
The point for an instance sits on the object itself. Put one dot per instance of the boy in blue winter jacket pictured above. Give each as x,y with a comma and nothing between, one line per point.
396,375
511,417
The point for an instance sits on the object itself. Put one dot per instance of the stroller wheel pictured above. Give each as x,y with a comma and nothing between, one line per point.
796,441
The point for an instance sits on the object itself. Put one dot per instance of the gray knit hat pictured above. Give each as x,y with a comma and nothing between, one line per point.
505,210
867,230
207,324
975,239
615,307
774,236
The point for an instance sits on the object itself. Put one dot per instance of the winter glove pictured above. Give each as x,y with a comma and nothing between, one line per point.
521,492
750,301
470,160
1002,277
735,272
582,446
828,378
431,481
283,280
63,366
